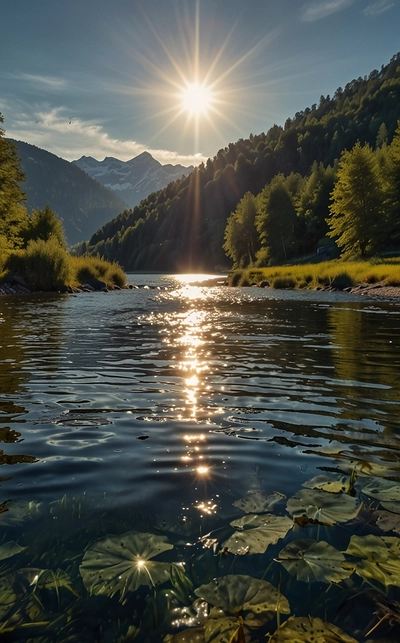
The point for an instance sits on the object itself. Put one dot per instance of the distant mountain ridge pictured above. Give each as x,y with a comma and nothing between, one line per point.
78,200
132,180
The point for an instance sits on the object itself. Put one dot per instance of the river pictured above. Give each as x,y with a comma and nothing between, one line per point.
171,410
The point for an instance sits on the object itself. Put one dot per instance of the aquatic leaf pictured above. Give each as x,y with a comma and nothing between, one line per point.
257,501
305,629
9,549
312,561
183,586
266,530
332,485
8,596
388,521
380,558
386,491
225,629
323,506
256,600
122,563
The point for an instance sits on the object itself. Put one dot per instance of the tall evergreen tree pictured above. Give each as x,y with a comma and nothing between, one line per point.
13,215
356,212
276,219
241,239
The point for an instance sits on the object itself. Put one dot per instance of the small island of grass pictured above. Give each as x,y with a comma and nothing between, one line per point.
338,274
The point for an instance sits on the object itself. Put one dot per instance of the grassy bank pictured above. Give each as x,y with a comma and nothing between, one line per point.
47,266
337,274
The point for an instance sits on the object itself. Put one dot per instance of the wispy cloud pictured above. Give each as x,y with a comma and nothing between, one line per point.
316,10
56,131
375,8
50,82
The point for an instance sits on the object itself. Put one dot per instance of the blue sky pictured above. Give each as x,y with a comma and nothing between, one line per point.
105,78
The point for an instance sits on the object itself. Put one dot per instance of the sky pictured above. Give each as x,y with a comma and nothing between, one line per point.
180,79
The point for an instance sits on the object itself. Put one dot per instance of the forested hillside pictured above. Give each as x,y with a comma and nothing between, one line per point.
182,227
80,202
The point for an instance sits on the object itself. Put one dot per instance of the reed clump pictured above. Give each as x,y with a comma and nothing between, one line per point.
336,274
46,265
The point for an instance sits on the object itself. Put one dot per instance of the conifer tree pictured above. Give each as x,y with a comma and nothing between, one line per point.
357,211
13,215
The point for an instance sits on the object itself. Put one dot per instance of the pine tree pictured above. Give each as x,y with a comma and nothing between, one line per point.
356,212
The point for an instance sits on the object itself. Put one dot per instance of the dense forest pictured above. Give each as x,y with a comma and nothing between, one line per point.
295,168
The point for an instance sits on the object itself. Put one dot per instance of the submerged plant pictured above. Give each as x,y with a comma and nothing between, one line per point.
257,533
323,506
309,630
122,563
309,561
379,558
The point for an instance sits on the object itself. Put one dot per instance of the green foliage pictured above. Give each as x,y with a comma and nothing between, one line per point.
356,213
92,270
45,265
13,216
44,225
241,239
276,219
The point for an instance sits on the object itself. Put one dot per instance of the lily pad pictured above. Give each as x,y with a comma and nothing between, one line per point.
386,491
257,501
323,506
237,594
312,561
122,563
258,532
225,629
388,521
309,630
379,558
332,485
11,548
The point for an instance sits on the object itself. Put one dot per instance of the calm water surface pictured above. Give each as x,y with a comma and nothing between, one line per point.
159,407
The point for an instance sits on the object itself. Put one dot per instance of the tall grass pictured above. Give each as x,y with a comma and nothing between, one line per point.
92,270
47,266
337,273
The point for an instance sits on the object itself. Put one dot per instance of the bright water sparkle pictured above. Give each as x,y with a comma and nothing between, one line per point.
160,406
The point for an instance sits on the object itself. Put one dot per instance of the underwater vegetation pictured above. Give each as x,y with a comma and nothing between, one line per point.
321,566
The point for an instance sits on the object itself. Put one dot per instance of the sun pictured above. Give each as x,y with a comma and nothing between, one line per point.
197,99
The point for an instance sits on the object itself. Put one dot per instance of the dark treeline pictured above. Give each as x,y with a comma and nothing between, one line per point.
182,227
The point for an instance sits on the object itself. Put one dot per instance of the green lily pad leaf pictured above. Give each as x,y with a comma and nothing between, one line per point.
237,594
386,491
9,549
225,630
332,485
309,630
325,507
256,501
380,558
267,530
388,521
122,563
310,561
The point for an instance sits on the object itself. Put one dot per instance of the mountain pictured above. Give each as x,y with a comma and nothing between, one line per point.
78,200
182,226
132,180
